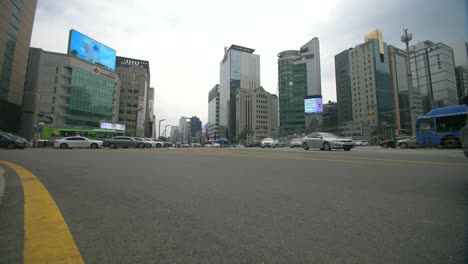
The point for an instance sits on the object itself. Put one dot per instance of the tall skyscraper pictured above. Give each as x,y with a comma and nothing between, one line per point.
150,126
63,91
343,87
399,81
239,68
257,113
195,130
298,77
433,73
363,72
135,80
460,55
213,113
16,23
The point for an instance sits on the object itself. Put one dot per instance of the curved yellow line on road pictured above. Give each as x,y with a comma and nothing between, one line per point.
47,238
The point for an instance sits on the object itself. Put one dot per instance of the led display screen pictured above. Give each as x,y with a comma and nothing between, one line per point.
313,106
88,49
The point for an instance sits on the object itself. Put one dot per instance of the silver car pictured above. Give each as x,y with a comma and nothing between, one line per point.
77,142
295,142
326,141
407,143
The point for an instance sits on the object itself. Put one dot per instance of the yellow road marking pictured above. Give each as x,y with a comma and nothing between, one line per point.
47,238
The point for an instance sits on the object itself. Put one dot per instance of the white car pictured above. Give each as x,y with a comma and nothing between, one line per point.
267,142
77,142
361,143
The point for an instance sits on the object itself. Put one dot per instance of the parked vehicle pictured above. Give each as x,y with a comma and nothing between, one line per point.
295,142
11,141
361,143
124,142
393,143
152,143
326,141
253,144
279,144
77,142
268,142
162,144
407,143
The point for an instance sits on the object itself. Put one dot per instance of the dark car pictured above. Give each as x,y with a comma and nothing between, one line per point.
10,141
124,142
253,144
392,143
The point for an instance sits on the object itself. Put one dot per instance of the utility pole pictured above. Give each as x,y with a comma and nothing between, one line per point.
159,132
406,38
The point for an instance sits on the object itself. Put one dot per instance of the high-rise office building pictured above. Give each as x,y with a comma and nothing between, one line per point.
257,113
433,73
401,95
195,130
298,77
150,126
330,116
135,80
184,128
213,113
239,68
367,69
63,91
460,55
16,23
461,76
343,87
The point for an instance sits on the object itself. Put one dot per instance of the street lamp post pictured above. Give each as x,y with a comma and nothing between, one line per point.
159,131
406,38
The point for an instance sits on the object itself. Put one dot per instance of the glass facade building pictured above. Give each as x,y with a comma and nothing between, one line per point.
298,77
91,99
292,82
343,87
433,74
63,91
16,22
240,68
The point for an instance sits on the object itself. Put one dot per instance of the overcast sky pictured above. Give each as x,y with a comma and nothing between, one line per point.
184,40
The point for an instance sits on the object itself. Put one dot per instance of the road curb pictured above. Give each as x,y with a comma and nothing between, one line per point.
2,184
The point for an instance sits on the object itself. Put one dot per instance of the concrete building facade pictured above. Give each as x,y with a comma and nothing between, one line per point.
239,68
63,91
212,126
135,80
16,23
257,112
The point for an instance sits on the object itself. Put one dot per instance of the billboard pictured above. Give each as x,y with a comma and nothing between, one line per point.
88,49
112,126
313,105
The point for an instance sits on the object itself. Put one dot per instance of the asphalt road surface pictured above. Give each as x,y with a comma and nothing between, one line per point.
369,205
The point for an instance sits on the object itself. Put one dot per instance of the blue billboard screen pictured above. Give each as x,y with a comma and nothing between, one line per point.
90,50
313,106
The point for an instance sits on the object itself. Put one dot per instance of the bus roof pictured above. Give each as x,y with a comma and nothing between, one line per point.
449,110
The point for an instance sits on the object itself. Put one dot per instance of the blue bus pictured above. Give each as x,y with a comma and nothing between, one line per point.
441,127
